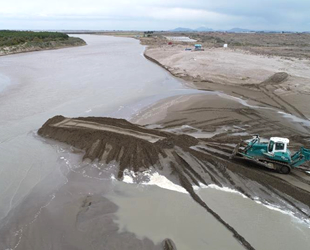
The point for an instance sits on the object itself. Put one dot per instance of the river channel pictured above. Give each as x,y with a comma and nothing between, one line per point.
50,199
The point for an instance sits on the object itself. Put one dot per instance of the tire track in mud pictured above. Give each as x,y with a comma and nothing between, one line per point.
189,188
269,87
264,172
282,104
300,178
176,120
255,100
255,122
208,122
289,202
284,107
171,124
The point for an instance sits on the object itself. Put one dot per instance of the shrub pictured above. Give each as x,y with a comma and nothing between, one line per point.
11,38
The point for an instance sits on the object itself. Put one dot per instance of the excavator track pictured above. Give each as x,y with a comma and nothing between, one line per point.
281,167
228,152
278,166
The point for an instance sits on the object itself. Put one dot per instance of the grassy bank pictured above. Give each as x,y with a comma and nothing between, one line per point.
12,42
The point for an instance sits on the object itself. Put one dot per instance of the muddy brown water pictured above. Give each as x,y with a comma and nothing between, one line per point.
49,199
108,77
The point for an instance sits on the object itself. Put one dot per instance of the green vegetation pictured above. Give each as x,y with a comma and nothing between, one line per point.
12,38
25,41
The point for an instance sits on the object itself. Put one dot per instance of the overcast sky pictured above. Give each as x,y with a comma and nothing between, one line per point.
155,14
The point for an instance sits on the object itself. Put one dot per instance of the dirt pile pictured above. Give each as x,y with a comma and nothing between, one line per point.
277,78
107,139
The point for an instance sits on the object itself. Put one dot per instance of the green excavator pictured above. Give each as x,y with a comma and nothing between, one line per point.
273,154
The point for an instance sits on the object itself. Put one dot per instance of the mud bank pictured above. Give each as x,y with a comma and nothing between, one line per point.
184,159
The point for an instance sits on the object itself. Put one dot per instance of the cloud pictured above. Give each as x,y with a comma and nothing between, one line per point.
184,14
155,14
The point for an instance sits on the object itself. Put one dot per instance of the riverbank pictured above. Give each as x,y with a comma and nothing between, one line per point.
13,42
272,81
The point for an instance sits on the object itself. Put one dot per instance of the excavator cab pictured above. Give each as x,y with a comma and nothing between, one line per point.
278,150
277,145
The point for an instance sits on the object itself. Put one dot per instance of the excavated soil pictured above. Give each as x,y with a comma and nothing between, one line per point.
192,161
130,145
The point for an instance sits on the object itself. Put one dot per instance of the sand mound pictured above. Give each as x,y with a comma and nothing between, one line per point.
277,78
107,139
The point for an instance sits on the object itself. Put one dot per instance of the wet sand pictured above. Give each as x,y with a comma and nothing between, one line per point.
241,74
187,161
221,121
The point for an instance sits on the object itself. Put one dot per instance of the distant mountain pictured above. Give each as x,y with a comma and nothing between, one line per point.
203,29
200,29
239,30
234,30
180,29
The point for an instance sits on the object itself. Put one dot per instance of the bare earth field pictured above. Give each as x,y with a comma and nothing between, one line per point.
242,74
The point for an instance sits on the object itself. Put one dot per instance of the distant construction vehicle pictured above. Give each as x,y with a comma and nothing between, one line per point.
198,47
273,154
